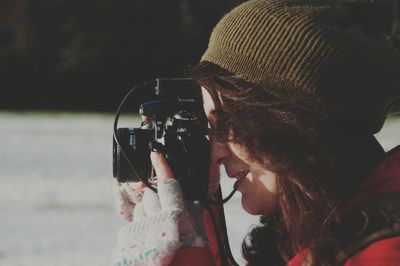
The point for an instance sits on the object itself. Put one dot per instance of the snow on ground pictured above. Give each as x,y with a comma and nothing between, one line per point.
56,202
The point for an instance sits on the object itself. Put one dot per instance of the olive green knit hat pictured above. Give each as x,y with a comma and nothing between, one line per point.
339,51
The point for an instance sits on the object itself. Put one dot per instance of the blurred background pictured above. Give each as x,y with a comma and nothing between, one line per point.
84,55
64,67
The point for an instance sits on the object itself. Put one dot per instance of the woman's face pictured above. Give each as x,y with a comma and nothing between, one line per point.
257,184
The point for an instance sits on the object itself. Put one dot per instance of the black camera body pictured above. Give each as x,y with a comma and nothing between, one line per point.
176,120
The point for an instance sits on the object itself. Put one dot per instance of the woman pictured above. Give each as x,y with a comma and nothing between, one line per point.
294,91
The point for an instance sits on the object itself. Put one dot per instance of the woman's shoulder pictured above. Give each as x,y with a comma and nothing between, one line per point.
383,252
193,256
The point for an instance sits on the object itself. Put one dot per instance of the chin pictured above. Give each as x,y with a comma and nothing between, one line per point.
255,208
251,209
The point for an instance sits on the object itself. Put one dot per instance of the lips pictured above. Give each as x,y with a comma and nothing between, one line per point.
240,176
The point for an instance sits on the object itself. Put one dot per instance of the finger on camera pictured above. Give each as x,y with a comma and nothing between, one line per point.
135,196
133,189
145,118
146,122
160,164
135,185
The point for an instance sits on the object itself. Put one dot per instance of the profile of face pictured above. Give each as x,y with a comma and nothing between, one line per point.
257,184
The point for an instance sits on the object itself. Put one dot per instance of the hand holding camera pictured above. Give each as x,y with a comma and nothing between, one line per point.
174,118
161,222
171,211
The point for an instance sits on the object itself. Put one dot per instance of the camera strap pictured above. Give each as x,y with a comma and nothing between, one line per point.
115,128
220,228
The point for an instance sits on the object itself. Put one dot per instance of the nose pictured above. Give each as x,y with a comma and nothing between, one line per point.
219,153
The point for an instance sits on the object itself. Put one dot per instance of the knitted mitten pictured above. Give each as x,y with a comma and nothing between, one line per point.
127,195
161,225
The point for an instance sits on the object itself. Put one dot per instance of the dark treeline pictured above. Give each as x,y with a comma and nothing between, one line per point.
86,54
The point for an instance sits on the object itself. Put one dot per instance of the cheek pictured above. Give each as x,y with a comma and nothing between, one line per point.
268,182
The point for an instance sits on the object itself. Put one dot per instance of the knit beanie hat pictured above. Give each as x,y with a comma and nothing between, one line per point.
341,52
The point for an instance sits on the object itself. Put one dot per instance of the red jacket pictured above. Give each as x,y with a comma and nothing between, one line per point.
384,252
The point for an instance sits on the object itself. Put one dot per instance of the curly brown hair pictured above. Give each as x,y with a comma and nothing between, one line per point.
306,149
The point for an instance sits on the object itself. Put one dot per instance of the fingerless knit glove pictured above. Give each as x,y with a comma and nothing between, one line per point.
160,226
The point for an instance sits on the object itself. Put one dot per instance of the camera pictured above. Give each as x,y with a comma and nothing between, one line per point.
176,122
